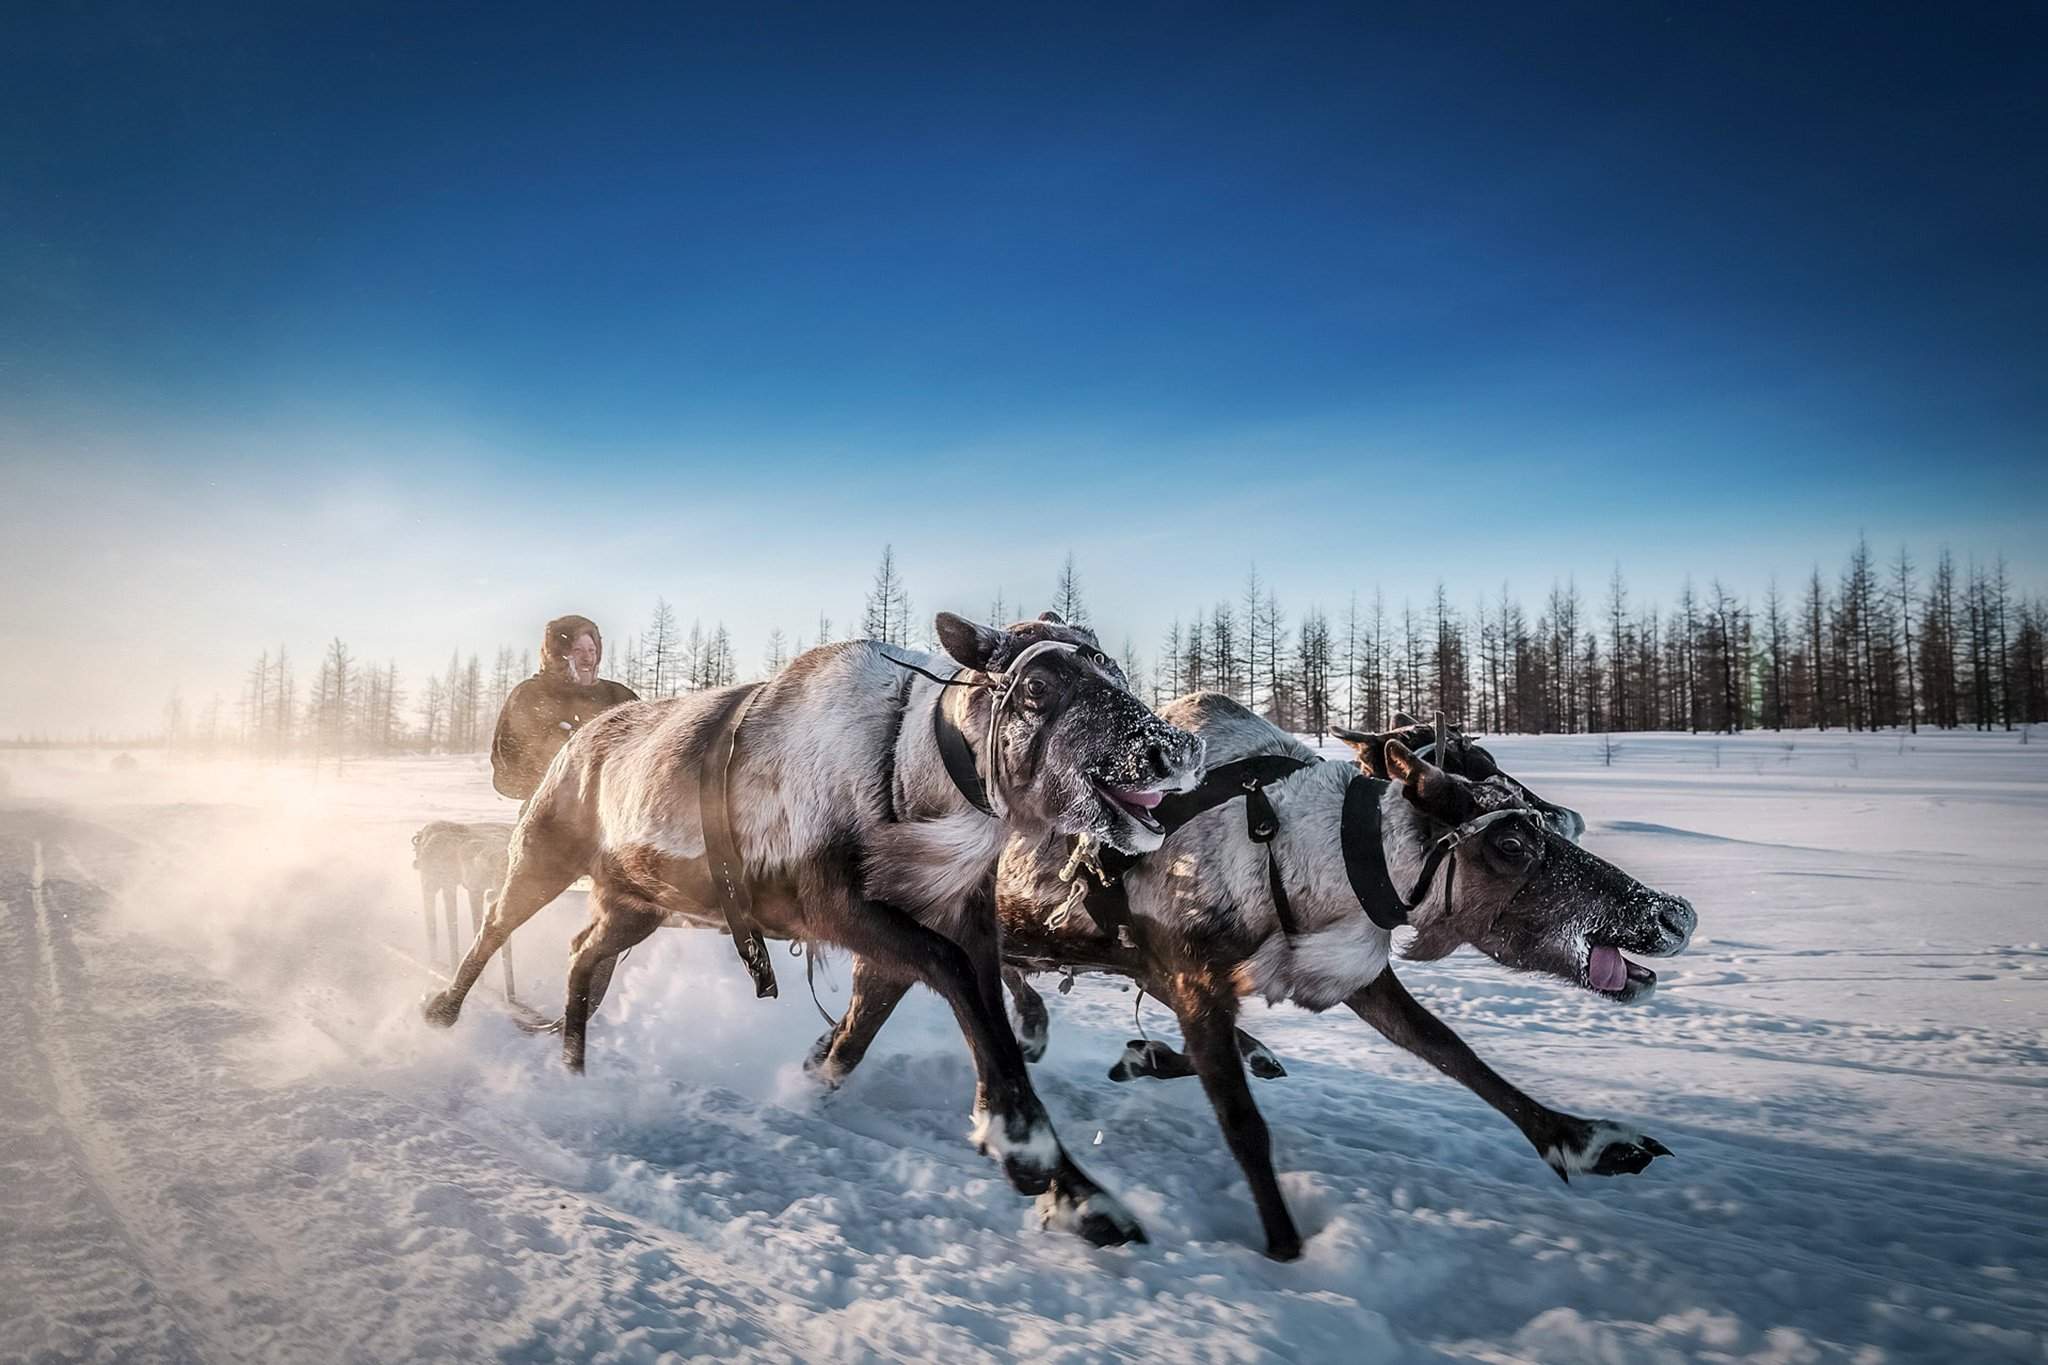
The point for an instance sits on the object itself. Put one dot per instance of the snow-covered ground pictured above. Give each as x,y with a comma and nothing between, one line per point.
225,1135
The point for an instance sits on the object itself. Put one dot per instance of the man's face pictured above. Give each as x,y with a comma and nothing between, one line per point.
583,659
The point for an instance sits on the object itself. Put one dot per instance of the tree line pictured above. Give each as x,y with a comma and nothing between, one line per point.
1876,645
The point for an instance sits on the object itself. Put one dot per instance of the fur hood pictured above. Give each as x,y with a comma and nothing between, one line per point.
560,637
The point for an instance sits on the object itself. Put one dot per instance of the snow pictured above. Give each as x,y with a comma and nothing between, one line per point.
225,1135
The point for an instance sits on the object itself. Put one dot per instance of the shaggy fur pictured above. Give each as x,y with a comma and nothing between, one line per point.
851,833
1196,925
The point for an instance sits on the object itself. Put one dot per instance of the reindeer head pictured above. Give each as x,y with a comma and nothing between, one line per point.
1458,755
1076,753
1527,896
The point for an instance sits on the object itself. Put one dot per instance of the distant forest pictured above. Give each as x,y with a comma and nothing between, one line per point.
1878,645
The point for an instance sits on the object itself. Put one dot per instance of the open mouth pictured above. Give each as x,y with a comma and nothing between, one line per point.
1609,973
1136,803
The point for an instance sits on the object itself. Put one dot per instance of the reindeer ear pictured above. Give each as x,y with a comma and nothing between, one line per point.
1367,747
1428,788
969,645
1052,617
1402,720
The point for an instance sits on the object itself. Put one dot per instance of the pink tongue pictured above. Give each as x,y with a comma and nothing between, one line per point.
1142,800
1606,970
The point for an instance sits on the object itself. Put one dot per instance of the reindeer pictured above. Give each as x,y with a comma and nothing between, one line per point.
864,796
1145,1057
1290,891
452,855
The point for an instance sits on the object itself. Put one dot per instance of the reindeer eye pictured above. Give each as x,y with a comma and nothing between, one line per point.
1512,846
1034,688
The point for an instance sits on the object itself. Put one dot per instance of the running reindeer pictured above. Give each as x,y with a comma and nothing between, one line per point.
1284,876
859,798
1459,754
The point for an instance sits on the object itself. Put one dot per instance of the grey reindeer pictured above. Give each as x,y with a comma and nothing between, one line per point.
1200,925
852,828
453,856
1459,754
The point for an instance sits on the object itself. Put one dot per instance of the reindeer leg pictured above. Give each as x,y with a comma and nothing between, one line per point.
601,980
874,997
545,859
1208,1022
1010,1120
620,919
1154,1060
1569,1144
1072,1199
1032,1020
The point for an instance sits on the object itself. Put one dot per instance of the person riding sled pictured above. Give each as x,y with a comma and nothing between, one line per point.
543,711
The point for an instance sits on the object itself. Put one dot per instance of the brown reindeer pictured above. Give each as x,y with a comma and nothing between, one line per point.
1295,900
865,796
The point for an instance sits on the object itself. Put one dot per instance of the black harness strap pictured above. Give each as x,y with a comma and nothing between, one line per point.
1226,782
721,850
1261,824
1365,858
1245,777
957,753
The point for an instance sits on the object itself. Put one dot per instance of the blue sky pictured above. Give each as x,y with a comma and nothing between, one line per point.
418,328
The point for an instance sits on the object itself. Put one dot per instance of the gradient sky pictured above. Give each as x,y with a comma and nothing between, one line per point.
418,328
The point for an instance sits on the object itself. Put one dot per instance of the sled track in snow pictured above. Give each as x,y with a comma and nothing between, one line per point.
64,1206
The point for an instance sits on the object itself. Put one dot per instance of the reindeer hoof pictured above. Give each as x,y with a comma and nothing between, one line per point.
1033,1041
1259,1059
1145,1058
820,1067
441,1009
1029,1152
1096,1216
1284,1251
1601,1148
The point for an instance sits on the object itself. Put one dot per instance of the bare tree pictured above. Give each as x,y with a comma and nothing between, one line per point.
1351,660
1617,618
886,614
1066,597
1902,596
658,647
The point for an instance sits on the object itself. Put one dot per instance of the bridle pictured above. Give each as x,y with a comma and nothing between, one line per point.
980,776
1369,878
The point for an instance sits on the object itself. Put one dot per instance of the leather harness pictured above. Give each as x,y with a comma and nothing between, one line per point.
721,850
1359,833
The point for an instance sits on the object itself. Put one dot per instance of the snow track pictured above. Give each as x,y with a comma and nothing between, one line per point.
71,1267
224,1134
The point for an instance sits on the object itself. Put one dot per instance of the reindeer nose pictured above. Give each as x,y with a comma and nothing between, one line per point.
1156,757
1678,919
